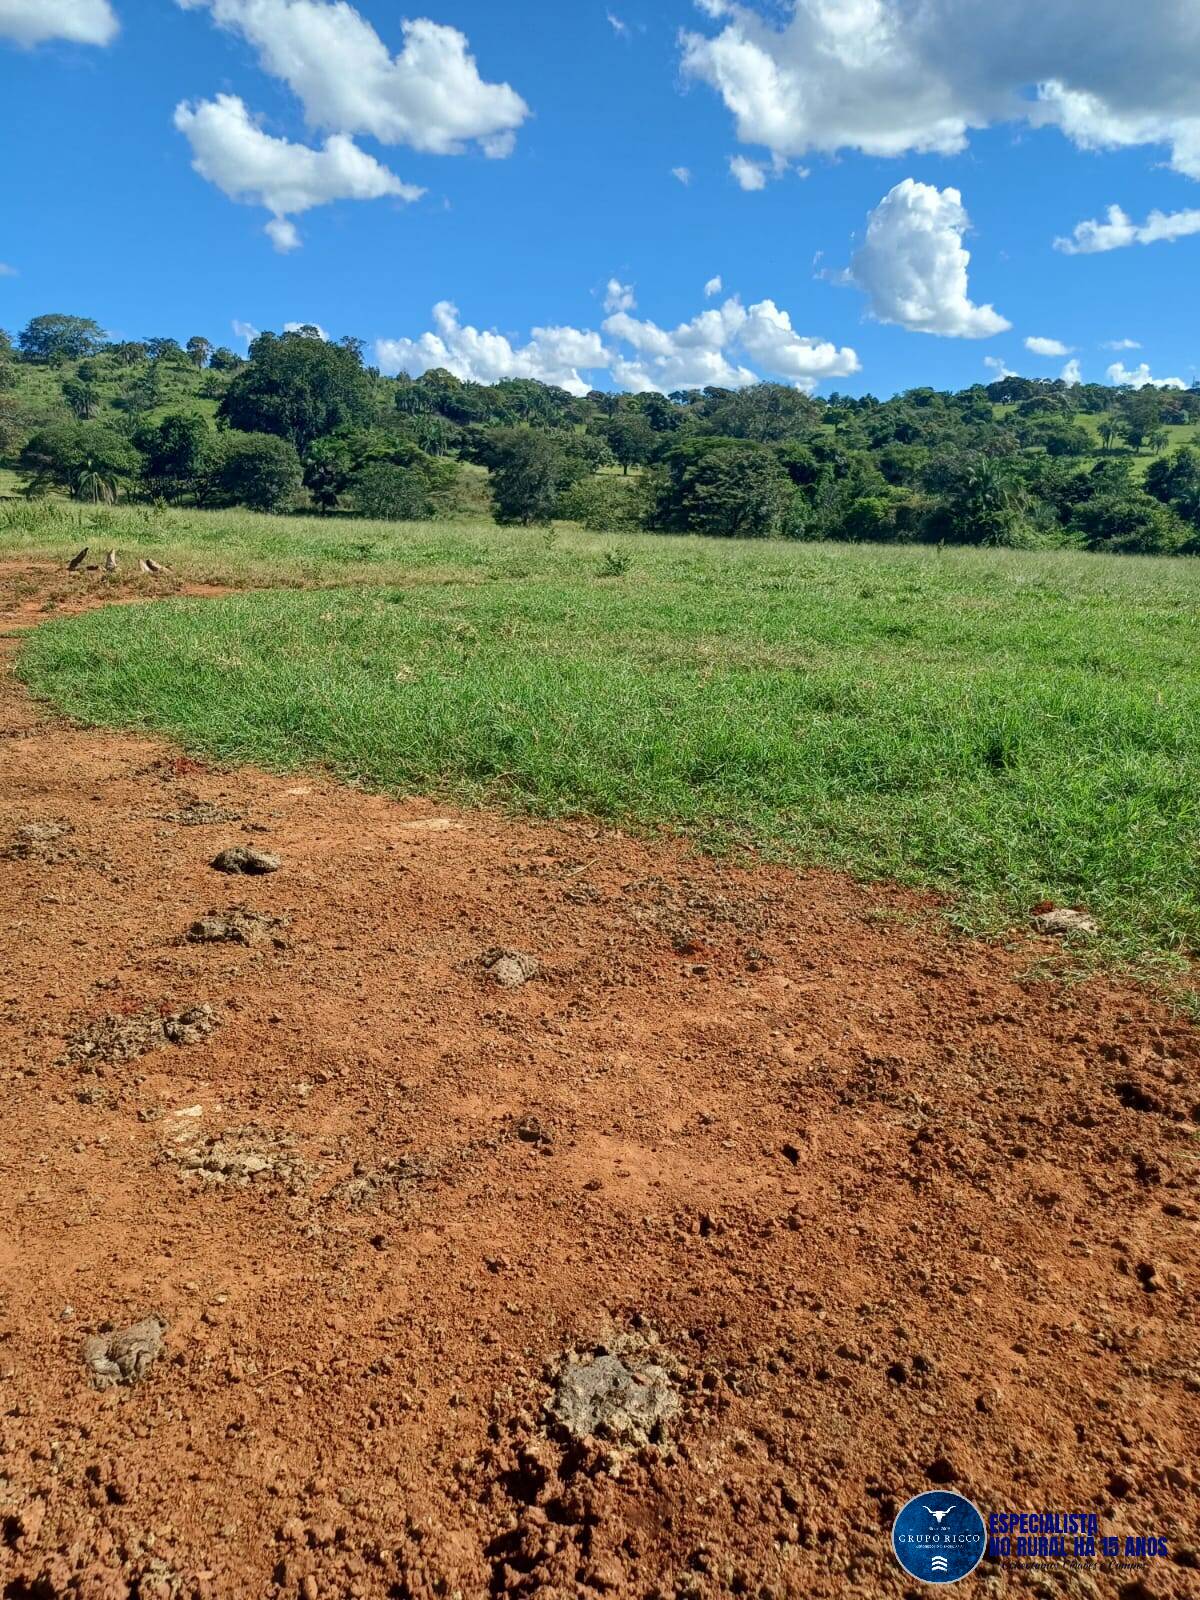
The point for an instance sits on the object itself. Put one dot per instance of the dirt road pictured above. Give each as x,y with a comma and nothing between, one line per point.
869,1210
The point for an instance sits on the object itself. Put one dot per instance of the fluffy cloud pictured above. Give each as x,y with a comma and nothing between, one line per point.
246,331
1122,344
638,354
299,327
233,152
430,96
1120,374
713,287
1047,347
749,175
553,355
1072,374
80,21
913,265
619,296
1092,237
891,76
682,175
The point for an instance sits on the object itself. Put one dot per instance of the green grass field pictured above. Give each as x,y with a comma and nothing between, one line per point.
1004,726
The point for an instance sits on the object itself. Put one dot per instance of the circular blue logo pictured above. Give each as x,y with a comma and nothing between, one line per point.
939,1537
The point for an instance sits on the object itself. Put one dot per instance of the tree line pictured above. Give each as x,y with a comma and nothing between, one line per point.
302,422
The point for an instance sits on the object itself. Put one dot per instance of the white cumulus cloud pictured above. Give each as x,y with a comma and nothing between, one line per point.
1047,347
619,296
552,355
1072,373
890,76
913,265
256,168
713,287
1120,374
430,96
749,175
712,348
79,21
1119,230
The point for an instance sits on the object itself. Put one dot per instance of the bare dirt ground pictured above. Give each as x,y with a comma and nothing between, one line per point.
867,1210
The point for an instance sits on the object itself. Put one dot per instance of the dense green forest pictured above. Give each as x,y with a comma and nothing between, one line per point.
304,423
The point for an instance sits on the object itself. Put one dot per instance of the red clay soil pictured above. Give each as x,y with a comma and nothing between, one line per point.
890,1211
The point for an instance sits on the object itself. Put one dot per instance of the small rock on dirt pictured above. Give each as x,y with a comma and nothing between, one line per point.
605,1398
237,925
509,968
125,1355
240,1156
1067,924
246,859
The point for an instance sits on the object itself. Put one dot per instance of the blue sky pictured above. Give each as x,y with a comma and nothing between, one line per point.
539,196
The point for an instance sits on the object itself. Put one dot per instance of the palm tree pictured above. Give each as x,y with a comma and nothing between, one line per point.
1107,431
93,482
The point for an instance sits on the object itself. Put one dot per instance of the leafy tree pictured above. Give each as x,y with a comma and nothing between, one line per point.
1141,416
180,454
529,472
259,470
631,439
166,349
225,360
729,487
86,459
8,375
981,501
129,353
1056,435
766,411
1108,430
82,398
328,467
1127,519
297,388
1175,480
391,493
58,337
199,349
14,426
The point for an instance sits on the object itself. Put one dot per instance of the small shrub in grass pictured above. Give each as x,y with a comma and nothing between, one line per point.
615,563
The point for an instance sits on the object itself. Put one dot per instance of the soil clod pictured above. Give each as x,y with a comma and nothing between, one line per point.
509,968
605,1398
246,859
1066,924
119,1038
235,925
124,1355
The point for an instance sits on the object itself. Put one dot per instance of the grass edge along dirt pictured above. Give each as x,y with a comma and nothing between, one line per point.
1000,727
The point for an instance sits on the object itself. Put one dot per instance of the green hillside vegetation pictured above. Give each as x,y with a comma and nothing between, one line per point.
303,424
